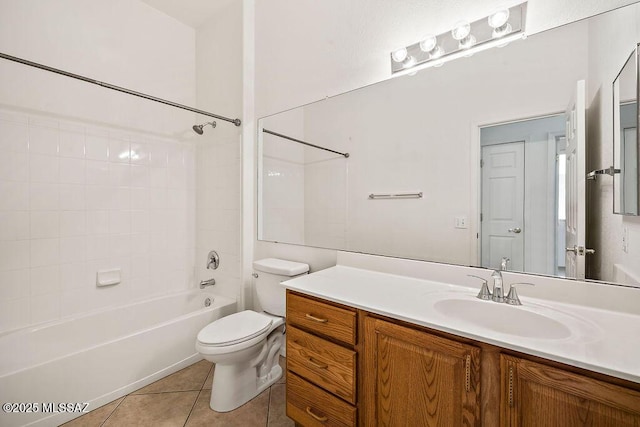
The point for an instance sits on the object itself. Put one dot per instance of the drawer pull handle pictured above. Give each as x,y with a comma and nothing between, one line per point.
315,319
316,364
317,417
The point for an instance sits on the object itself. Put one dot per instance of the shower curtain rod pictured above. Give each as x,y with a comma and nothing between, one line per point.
346,155
236,122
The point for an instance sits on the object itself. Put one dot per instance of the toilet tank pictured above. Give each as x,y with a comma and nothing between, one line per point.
269,272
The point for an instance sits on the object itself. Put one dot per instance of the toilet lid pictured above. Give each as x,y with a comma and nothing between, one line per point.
235,328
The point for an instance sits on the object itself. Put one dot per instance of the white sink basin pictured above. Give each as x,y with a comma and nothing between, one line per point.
512,320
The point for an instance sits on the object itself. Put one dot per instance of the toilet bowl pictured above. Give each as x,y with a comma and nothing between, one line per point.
245,346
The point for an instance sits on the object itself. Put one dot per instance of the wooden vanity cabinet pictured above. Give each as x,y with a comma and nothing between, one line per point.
535,394
348,367
321,362
414,378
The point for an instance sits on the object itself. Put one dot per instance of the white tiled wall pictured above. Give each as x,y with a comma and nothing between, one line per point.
76,198
218,210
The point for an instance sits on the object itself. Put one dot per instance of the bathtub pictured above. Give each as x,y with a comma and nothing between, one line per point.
98,357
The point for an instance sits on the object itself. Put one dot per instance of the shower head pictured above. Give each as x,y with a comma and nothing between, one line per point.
198,128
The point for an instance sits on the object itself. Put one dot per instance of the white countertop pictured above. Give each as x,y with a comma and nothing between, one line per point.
604,341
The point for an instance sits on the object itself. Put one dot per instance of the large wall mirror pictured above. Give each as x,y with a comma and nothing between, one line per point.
625,138
464,164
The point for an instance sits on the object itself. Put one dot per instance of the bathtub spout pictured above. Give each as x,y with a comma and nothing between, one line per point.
206,283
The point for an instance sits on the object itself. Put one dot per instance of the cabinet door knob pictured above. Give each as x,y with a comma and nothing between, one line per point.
315,319
315,416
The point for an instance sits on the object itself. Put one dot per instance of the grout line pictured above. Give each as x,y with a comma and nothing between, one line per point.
192,408
114,410
269,405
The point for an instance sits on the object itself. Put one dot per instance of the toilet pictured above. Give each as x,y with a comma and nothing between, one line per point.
245,346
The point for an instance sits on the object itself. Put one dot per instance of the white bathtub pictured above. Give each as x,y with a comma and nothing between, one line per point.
98,357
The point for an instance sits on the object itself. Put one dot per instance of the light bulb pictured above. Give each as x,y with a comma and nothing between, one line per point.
409,62
428,43
498,18
436,52
461,30
501,31
467,42
399,55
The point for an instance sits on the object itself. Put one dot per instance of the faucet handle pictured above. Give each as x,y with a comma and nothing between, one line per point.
512,297
484,293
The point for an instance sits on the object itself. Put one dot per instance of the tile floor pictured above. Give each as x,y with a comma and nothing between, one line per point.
182,399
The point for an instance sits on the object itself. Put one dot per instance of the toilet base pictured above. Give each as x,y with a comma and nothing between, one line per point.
236,384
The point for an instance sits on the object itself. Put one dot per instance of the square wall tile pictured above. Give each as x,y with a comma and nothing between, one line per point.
71,171
96,146
45,224
43,140
119,151
73,249
72,197
97,247
45,280
43,168
119,222
14,136
14,166
44,308
14,196
97,222
158,154
98,197
43,196
139,152
14,225
119,175
140,176
73,276
14,284
14,314
14,255
44,252
72,223
71,144
140,199
158,177
97,173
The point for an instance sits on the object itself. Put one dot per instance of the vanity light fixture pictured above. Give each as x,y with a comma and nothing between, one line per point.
498,29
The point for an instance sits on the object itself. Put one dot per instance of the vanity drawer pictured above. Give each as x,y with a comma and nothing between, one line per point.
324,319
324,363
311,406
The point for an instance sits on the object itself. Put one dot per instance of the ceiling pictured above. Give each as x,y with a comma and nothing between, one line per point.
190,12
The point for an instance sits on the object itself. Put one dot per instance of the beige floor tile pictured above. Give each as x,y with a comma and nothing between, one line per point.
158,410
209,380
190,378
96,417
253,413
277,408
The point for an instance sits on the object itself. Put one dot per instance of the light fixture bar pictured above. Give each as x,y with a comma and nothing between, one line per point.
481,36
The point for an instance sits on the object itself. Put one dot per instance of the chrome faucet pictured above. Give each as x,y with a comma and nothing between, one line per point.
213,261
484,293
205,283
497,294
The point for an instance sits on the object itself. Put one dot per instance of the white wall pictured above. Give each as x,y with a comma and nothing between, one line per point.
75,197
611,37
307,50
219,89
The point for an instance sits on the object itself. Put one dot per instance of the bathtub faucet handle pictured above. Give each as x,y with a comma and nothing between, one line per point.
213,260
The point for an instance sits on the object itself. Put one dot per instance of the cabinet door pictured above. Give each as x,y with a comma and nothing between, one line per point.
539,395
412,378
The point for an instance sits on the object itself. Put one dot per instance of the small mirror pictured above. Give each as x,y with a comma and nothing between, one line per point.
625,138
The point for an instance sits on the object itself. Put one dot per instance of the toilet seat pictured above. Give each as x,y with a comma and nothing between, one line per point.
235,328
